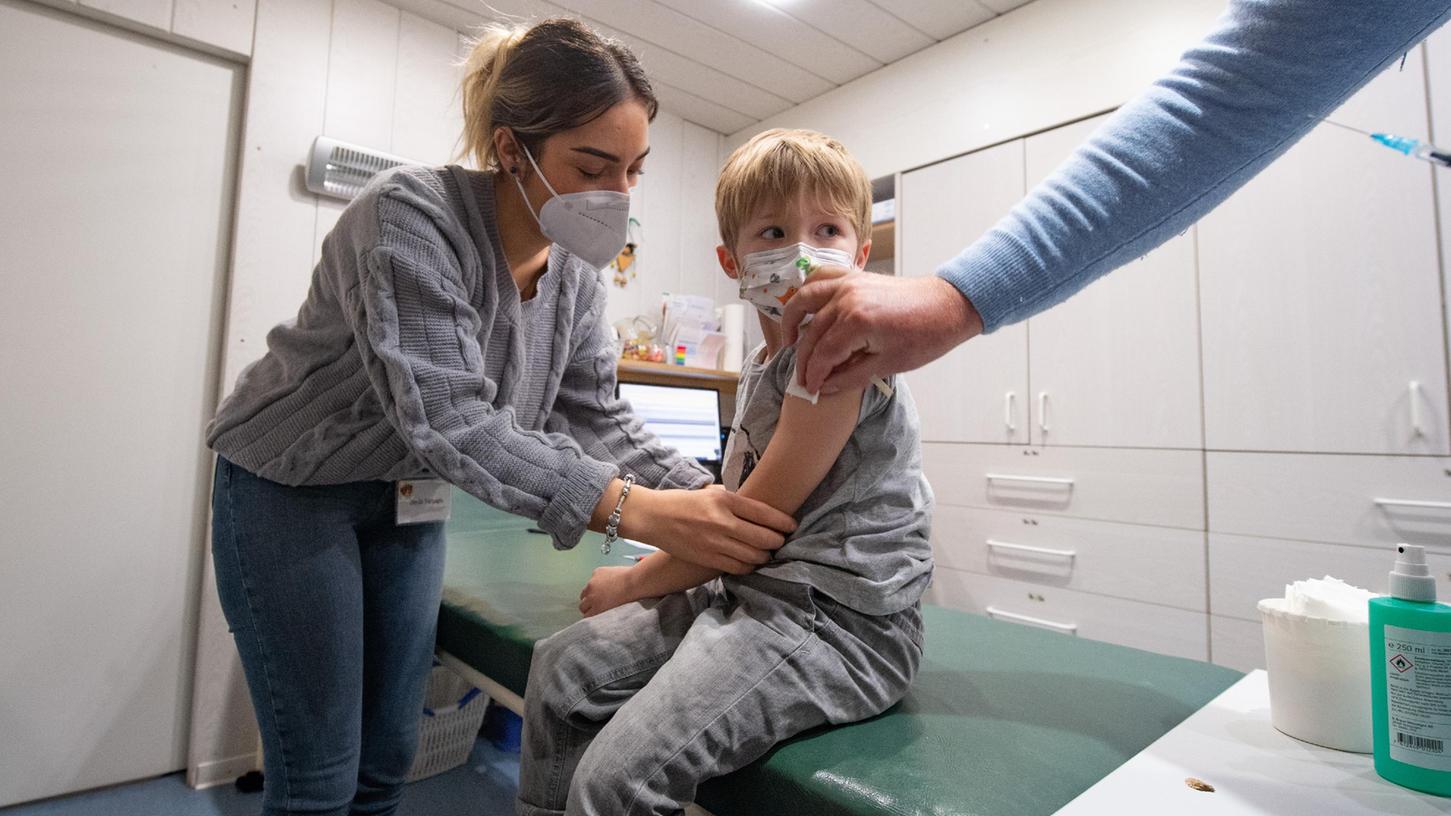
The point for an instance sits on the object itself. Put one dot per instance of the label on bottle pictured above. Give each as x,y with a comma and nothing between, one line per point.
1418,697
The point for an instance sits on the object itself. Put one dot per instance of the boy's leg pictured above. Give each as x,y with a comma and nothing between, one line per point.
581,676
776,661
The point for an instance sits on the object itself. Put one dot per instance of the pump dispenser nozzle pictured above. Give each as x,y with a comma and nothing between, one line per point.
1411,580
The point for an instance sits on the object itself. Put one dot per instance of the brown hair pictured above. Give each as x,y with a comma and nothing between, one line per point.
780,164
543,79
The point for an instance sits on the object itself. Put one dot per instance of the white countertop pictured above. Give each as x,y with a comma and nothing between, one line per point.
1254,769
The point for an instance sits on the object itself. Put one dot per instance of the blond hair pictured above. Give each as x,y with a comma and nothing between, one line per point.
541,79
780,164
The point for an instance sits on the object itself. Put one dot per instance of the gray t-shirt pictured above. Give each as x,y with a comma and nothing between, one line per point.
863,533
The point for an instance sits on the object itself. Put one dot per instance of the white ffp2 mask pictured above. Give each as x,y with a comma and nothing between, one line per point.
770,277
592,225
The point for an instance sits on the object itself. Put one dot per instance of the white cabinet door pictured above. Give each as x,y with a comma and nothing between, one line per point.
978,392
1236,643
1438,74
1118,363
1136,562
1145,626
1135,486
1245,570
1322,295
1359,500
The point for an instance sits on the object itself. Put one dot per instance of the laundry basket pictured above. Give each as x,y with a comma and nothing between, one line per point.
453,710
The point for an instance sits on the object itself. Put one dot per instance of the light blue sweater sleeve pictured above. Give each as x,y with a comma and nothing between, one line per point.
1233,104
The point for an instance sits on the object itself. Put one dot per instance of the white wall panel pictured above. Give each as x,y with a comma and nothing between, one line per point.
226,24
362,73
700,274
271,268
427,109
276,216
154,13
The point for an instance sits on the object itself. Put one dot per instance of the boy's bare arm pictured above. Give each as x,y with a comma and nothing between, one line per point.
806,443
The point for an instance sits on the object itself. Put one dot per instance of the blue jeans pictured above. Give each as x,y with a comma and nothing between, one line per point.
334,610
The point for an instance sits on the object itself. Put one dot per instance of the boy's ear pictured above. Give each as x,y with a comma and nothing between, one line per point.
727,261
863,252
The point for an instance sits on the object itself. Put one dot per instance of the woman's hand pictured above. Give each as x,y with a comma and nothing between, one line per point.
711,527
608,588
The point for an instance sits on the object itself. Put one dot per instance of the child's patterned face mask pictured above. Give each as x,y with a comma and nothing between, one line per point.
770,277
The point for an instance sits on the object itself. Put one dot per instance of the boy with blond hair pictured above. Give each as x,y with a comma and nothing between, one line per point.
679,674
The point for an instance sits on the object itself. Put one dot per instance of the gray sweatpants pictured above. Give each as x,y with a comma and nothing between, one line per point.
627,712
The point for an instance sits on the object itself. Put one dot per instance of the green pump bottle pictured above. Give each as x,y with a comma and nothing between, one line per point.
1410,678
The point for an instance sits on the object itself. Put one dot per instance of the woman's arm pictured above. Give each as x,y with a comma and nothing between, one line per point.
587,410
416,331
807,442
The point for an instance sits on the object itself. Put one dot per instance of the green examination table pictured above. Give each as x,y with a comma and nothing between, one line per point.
1003,718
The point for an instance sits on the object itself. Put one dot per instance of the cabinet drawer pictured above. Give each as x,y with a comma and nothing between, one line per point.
1236,643
1244,570
1159,565
1162,487
1128,623
1314,497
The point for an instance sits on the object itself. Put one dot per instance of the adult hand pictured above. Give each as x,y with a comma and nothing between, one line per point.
712,527
869,325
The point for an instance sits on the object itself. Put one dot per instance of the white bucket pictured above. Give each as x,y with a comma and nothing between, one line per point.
1319,677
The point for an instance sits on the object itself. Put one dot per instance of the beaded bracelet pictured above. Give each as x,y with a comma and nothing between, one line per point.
612,524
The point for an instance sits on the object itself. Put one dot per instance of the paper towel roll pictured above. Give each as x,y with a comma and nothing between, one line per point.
733,326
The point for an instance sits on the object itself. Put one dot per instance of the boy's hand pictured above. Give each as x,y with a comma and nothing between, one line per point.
608,588
872,326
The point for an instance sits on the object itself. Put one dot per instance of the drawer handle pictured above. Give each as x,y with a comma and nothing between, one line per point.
1415,400
1429,505
1049,480
1066,628
1003,545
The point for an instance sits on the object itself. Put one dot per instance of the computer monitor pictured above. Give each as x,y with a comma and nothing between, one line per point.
685,418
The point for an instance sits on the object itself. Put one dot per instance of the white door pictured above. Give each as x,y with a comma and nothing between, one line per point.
117,154
1118,363
1322,294
977,392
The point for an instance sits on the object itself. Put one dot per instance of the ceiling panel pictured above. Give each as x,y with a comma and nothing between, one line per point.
1003,6
773,30
701,79
665,27
939,19
727,64
859,25
692,108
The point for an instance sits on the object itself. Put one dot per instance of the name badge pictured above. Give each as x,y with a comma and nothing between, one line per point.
423,500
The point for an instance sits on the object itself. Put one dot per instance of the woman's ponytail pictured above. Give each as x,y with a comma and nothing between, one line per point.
542,79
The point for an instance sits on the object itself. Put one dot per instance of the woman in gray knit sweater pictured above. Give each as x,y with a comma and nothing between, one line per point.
453,333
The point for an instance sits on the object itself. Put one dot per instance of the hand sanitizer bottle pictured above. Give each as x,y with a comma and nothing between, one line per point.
1410,678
